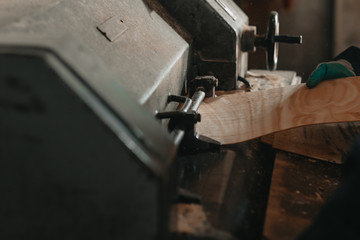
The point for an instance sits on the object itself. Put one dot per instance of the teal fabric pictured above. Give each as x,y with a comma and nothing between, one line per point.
326,71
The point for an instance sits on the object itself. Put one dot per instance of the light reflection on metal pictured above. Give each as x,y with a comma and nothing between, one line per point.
227,9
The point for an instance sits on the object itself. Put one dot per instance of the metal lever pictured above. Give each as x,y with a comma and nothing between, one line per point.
289,39
182,125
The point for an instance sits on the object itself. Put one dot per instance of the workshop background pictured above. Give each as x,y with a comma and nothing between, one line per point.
236,176
327,27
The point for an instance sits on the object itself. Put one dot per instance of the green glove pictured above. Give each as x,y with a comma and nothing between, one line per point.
330,70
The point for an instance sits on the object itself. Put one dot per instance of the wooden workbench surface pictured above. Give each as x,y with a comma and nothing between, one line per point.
299,187
328,142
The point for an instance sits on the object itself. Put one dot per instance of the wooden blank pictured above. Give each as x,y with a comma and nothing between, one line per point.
237,117
328,142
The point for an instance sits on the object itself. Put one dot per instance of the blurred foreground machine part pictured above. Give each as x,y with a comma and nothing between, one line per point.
81,152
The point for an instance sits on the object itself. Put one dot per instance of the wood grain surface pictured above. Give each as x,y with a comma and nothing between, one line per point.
237,117
328,142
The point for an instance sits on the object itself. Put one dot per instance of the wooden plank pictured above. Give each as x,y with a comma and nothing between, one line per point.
328,142
237,117
269,139
298,189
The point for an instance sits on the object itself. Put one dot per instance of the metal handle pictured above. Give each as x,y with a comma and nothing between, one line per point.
270,41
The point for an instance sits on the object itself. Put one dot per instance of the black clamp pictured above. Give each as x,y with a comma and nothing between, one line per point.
182,125
207,84
180,120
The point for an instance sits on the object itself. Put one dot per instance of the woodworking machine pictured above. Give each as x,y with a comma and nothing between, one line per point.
98,104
